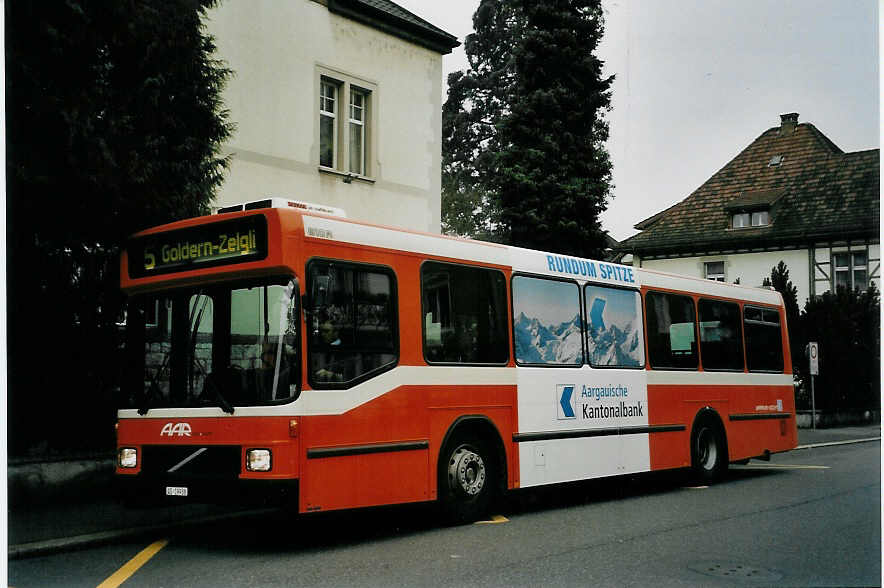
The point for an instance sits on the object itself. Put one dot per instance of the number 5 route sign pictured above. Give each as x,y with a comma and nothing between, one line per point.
813,354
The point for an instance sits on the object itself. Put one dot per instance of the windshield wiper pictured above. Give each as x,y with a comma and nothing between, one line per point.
153,388
222,402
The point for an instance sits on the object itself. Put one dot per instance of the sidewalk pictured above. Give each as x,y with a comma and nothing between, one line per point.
834,435
53,526
38,530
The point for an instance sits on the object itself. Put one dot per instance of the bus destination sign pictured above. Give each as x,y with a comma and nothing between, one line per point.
235,241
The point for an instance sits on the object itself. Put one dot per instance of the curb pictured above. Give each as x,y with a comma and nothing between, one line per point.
65,544
833,443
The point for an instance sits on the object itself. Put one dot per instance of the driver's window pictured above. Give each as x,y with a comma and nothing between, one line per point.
263,330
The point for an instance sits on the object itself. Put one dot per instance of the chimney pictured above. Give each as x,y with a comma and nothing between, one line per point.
788,122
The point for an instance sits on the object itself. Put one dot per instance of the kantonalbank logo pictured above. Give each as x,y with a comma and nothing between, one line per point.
566,401
596,402
225,245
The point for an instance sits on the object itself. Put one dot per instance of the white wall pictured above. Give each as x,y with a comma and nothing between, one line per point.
752,268
275,48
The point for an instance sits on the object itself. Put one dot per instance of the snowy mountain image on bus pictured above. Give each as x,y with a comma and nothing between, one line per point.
614,330
539,343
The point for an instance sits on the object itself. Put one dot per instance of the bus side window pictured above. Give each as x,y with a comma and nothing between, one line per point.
464,310
547,325
614,327
764,340
353,331
671,331
721,341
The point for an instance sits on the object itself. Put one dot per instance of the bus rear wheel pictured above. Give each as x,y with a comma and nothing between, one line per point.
708,452
466,480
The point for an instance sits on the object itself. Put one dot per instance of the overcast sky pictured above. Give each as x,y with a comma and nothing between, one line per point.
698,80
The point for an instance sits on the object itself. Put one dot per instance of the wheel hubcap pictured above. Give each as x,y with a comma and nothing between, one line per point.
707,449
466,471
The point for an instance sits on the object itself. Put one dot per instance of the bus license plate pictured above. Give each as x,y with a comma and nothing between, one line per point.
176,491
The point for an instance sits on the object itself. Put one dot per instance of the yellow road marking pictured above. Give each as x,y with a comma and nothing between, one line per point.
134,564
779,466
496,519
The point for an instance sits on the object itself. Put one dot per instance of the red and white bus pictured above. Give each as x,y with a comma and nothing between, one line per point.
282,351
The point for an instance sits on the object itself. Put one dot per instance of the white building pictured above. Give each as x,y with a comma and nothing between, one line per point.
337,102
792,195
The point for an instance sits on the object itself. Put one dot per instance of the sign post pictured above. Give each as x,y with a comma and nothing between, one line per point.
813,356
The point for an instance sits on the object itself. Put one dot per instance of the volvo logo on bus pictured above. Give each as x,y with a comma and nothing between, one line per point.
172,429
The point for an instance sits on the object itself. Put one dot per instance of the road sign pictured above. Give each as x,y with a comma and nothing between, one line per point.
813,354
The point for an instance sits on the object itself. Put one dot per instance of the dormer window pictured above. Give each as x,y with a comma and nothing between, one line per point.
752,208
745,220
776,160
760,218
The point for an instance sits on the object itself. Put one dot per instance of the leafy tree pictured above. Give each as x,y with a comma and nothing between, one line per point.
114,123
524,127
847,326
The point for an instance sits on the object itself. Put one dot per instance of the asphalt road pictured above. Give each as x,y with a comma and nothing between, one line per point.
810,517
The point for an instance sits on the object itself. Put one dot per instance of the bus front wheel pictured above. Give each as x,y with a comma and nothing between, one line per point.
467,477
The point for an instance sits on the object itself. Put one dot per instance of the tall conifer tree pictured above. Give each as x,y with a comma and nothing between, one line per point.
524,129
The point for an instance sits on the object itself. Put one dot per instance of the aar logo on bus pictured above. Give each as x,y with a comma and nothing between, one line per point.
566,401
179,429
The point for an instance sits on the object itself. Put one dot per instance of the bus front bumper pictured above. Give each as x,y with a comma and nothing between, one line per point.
138,490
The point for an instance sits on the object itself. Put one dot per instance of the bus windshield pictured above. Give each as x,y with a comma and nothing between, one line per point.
222,346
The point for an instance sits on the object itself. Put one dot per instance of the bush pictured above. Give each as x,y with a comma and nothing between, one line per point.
846,324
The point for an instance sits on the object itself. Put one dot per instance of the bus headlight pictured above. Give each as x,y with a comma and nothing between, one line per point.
127,457
258,460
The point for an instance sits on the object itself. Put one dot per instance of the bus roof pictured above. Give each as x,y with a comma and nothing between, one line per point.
317,226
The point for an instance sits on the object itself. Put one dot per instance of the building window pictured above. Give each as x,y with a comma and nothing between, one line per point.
345,118
741,220
851,270
328,123
760,218
714,270
358,99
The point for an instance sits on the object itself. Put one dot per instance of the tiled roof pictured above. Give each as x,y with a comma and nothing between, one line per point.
395,20
816,193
